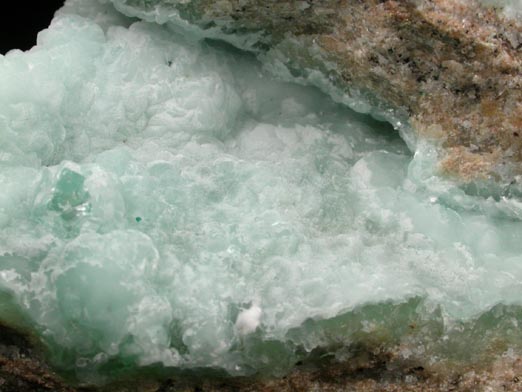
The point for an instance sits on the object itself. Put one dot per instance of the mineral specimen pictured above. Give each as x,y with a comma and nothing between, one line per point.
166,203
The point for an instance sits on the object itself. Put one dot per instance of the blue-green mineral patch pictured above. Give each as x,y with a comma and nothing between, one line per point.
166,202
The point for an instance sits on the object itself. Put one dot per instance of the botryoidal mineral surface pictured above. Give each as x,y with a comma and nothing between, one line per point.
171,202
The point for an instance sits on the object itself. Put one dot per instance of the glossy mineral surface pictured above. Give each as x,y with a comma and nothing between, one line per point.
165,202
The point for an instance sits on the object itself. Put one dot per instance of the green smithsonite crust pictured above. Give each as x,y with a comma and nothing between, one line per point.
166,203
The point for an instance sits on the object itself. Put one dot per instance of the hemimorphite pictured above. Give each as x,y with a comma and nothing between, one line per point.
165,202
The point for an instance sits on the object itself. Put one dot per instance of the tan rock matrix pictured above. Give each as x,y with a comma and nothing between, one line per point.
450,68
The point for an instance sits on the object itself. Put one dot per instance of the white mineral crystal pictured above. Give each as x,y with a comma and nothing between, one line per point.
248,320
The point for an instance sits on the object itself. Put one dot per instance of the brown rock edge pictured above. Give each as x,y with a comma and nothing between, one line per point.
22,365
23,369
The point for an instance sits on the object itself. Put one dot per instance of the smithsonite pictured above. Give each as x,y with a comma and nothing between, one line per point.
166,202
